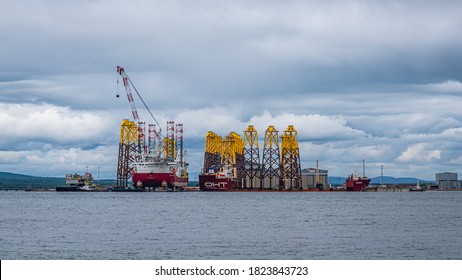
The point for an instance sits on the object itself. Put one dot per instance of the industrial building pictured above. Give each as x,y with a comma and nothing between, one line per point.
448,180
312,179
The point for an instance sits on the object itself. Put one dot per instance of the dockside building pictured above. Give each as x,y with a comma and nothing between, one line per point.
309,179
448,180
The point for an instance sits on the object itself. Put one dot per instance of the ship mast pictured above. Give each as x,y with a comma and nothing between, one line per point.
364,168
317,174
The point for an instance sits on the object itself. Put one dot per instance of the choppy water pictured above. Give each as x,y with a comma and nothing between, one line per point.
197,225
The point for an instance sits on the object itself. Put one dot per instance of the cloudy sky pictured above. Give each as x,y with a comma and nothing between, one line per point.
373,80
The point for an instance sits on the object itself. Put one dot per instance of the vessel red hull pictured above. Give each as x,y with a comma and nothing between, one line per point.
357,185
157,180
210,183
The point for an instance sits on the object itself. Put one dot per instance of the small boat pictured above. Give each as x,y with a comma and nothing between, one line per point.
417,188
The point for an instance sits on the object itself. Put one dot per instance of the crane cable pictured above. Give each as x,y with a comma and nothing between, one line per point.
141,98
158,134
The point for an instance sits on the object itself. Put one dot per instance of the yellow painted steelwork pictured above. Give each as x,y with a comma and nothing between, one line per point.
223,151
289,140
290,158
213,148
128,132
228,157
271,138
127,152
167,147
237,145
213,143
250,137
251,167
271,163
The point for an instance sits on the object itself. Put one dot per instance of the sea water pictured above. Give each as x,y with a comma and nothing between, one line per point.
201,225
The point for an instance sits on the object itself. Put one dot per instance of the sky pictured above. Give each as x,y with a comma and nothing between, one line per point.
373,80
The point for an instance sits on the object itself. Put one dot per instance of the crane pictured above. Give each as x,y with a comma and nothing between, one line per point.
141,125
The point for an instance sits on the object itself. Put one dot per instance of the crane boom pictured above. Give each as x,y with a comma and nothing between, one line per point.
127,82
122,72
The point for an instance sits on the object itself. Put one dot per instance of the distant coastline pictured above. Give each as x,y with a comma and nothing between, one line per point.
13,181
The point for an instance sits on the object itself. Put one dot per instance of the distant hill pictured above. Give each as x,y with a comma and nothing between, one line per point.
19,181
403,180
8,176
387,180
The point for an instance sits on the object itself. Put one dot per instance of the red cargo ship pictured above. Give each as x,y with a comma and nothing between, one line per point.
355,183
216,181
211,182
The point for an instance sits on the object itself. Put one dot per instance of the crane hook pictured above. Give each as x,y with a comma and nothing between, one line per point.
117,94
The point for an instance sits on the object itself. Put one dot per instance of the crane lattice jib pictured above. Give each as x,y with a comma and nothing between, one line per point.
122,73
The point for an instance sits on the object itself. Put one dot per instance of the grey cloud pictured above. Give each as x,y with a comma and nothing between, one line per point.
378,77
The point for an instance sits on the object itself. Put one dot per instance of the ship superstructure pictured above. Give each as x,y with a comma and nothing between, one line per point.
76,182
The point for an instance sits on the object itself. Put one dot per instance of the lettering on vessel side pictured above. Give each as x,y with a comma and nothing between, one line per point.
215,185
